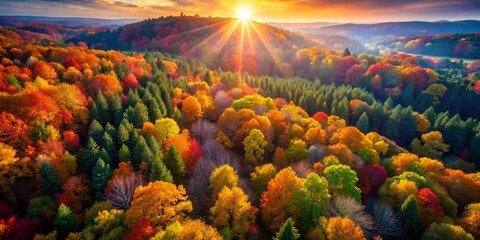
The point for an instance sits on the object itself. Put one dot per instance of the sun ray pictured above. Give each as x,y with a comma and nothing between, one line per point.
205,41
269,49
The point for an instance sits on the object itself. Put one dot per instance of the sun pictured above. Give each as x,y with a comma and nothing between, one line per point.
244,14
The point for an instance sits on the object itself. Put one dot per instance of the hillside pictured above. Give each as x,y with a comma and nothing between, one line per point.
466,45
58,31
15,21
369,32
219,42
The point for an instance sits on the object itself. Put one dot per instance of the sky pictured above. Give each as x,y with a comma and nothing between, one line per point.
263,11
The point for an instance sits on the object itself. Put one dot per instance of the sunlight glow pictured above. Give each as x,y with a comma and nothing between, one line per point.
244,14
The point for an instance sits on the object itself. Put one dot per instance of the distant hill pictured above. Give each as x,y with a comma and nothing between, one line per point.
13,21
466,45
10,35
329,41
218,42
302,27
57,31
369,32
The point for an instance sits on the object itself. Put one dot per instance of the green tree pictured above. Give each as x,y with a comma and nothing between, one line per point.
141,153
287,231
96,131
90,156
65,221
445,231
124,154
312,199
109,146
100,175
342,181
49,179
175,163
158,171
43,208
141,114
362,123
409,215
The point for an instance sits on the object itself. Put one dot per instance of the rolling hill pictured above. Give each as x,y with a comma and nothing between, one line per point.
220,42
369,32
465,45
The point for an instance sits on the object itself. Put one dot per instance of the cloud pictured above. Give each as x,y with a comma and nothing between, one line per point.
267,10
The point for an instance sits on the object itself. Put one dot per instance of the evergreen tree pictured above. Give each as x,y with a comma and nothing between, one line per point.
178,117
96,131
100,175
124,154
110,129
158,171
115,104
109,146
65,221
154,147
141,153
102,107
409,215
362,123
90,156
140,114
154,111
122,135
49,179
287,231
133,98
103,154
406,98
175,163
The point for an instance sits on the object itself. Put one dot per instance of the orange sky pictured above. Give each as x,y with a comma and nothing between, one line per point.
269,10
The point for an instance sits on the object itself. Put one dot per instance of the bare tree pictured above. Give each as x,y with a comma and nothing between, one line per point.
121,188
197,187
203,130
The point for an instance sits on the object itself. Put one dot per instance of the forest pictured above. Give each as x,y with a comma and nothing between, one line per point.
151,141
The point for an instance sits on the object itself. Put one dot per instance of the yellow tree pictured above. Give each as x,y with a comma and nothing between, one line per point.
433,145
343,229
254,145
316,135
405,162
276,202
189,229
11,168
378,144
160,202
163,130
192,110
353,138
470,220
233,210
223,176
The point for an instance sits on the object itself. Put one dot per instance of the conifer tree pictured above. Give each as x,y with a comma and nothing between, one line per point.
96,131
124,154
102,107
101,173
90,156
65,221
158,171
409,215
287,231
49,181
362,124
175,163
